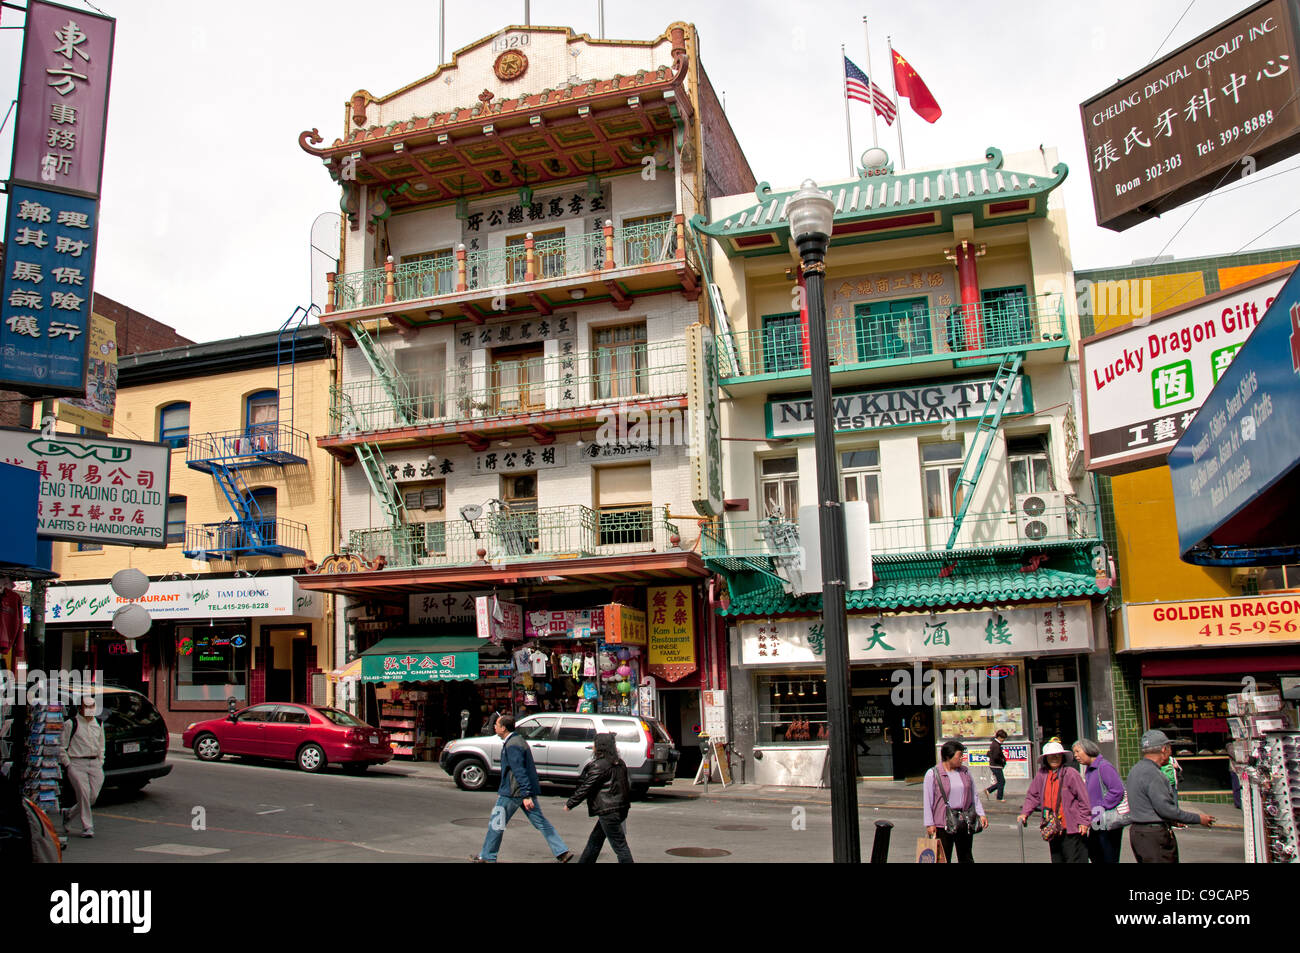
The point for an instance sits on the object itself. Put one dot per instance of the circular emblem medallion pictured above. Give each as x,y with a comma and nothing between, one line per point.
510,65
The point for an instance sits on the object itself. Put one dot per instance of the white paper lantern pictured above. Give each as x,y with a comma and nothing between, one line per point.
132,621
130,583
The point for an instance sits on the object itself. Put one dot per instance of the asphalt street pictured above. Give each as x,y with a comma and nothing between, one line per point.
236,811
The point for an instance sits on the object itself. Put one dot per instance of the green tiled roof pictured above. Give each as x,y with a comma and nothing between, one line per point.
919,585
993,196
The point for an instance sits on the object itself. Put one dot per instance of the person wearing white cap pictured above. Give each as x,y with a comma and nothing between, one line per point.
1067,812
82,756
1152,805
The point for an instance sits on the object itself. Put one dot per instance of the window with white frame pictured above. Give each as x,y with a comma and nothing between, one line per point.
778,486
940,469
1029,465
860,474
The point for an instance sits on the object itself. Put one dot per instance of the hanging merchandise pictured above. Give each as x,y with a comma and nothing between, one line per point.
1265,753
530,698
41,772
590,691
523,658
589,666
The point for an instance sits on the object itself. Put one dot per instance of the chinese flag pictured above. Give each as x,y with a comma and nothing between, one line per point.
911,85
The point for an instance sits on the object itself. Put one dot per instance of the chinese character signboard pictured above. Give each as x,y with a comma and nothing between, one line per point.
624,625
63,98
447,608
498,619
94,489
671,632
705,429
95,411
1184,125
1234,471
944,635
897,407
420,667
1144,383
520,461
1212,623
50,242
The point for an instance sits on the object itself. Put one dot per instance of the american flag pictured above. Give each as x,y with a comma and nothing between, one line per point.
858,86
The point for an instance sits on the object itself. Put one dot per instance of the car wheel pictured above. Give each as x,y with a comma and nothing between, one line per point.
471,775
311,758
207,748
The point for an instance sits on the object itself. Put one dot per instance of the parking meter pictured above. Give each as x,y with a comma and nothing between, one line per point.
231,705
464,721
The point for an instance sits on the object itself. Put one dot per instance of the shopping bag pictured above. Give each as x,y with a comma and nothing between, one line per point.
929,851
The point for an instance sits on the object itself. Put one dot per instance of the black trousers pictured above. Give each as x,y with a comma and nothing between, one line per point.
1069,849
607,826
999,783
1153,844
962,842
1104,846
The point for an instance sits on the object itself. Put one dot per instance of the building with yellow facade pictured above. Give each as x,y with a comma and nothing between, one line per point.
1178,653
249,501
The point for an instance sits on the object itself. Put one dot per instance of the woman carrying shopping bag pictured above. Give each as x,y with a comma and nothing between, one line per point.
952,809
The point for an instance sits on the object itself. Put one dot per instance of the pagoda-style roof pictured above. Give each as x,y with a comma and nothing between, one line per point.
891,204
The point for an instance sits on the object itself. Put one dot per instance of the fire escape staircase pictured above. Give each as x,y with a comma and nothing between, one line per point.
985,433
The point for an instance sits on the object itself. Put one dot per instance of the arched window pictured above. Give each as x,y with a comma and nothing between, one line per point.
174,424
176,519
262,410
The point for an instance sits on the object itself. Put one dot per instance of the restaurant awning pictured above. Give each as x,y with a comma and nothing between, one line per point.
422,659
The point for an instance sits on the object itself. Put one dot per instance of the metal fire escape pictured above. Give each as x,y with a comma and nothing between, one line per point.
985,433
229,454
371,456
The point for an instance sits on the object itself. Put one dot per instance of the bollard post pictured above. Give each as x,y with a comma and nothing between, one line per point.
880,847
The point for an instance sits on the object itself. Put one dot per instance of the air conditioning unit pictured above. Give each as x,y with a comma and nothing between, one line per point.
1041,516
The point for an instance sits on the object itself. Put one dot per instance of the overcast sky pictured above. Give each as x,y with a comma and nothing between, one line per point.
208,202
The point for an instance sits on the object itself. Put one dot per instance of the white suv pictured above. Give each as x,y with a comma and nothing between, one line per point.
561,744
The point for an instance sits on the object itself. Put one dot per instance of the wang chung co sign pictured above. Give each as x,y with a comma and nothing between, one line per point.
897,407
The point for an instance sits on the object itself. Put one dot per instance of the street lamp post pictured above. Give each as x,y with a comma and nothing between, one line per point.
811,215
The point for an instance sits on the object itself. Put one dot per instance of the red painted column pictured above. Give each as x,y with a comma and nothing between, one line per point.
969,284
803,321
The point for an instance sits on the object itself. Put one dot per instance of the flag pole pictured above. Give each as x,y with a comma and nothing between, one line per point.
898,116
871,93
848,127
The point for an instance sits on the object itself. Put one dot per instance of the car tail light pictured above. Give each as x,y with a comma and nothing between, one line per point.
356,736
649,742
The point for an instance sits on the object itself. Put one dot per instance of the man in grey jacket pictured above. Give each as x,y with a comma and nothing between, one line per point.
1152,807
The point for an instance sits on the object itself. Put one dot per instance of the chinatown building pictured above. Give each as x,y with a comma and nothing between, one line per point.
248,499
975,552
1186,636
517,311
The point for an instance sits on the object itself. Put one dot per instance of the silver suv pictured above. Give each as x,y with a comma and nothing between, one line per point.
562,744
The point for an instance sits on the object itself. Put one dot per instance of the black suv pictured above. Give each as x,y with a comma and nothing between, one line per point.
135,740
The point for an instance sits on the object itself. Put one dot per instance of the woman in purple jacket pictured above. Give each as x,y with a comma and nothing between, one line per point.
950,784
1105,791
1060,791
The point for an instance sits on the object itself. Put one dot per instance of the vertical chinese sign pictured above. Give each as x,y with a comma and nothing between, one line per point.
51,228
672,632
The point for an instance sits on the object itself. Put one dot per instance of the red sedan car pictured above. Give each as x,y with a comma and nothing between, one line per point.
307,734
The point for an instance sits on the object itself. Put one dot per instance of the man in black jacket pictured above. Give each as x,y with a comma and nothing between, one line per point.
604,786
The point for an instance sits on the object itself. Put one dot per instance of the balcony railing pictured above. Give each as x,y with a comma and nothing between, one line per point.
779,538
596,376
559,532
230,540
254,445
484,270
902,336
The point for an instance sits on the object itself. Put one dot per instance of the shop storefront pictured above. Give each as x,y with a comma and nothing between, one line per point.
917,680
1194,654
212,640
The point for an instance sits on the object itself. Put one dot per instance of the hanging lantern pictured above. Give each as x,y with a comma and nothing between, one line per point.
525,195
593,186
625,670
624,687
462,209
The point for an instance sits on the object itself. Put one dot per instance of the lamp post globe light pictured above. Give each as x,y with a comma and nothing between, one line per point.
811,214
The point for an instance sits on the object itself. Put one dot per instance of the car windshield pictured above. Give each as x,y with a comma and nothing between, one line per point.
342,718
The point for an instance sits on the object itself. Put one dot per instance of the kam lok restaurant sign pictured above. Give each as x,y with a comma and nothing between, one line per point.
1143,384
1036,630
1211,623
1217,108
897,407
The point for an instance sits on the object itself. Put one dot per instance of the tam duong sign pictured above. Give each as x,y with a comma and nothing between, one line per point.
94,489
1234,471
1215,109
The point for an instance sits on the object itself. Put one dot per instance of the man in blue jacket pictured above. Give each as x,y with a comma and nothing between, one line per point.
519,787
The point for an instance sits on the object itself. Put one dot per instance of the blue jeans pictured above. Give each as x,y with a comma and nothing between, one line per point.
504,810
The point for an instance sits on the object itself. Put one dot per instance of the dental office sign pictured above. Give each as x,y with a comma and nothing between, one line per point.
188,599
1144,383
